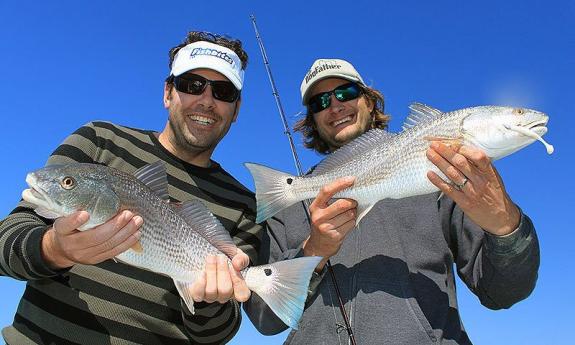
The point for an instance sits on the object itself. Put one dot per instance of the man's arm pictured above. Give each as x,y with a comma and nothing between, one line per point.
494,244
330,224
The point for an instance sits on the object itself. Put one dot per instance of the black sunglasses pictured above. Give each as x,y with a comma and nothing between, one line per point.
342,93
195,85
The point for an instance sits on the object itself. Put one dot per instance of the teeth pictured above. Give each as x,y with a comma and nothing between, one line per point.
345,119
201,119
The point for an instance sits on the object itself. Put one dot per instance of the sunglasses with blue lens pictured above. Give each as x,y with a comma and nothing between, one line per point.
342,93
194,84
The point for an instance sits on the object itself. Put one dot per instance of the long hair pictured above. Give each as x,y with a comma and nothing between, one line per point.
311,138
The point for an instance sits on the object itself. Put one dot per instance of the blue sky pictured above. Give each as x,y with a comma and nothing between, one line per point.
66,63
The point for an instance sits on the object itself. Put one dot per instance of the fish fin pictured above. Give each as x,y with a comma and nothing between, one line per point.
362,210
440,196
185,291
366,142
455,143
201,220
46,213
137,247
155,177
271,187
284,286
420,113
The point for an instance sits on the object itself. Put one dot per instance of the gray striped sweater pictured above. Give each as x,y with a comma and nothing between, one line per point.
114,303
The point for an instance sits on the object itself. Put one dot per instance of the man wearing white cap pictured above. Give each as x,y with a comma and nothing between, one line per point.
75,292
395,269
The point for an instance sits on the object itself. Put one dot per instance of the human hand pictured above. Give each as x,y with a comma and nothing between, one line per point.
330,224
219,282
63,245
476,187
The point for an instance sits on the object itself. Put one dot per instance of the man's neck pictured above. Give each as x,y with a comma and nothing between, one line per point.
197,158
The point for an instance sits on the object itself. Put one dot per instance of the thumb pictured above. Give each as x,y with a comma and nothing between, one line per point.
68,224
240,260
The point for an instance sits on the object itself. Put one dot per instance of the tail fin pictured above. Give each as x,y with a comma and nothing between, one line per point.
271,187
283,286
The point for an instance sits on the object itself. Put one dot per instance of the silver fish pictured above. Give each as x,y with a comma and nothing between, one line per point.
394,166
176,238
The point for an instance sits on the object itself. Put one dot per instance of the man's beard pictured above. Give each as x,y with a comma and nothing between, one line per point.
184,137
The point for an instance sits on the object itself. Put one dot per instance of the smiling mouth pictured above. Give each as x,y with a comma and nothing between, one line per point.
201,120
346,119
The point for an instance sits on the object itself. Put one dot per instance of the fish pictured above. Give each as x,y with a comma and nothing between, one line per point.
394,165
175,237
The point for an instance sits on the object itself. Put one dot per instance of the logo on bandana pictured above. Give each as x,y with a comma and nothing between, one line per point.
320,68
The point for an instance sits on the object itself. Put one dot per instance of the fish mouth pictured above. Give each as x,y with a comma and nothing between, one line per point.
539,126
34,194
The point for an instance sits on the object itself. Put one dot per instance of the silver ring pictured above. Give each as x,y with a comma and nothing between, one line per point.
462,184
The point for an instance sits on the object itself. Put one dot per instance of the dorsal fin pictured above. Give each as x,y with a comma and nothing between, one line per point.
420,113
348,152
155,177
199,217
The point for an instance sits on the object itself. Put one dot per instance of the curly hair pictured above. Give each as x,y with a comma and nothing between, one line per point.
311,138
223,40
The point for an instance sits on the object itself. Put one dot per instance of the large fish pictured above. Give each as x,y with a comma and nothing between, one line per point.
394,166
176,238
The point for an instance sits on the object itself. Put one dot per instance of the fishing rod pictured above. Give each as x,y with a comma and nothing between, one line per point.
299,169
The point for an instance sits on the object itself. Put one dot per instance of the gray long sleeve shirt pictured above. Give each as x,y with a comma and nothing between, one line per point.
396,273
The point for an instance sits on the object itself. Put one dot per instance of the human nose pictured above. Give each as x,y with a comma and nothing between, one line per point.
207,98
335,106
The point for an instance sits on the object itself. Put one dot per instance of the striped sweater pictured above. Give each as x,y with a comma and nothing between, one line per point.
114,303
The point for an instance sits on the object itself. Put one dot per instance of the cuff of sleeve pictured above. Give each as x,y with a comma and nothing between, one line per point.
34,254
512,243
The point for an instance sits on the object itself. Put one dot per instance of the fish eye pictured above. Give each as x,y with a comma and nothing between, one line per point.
68,182
519,111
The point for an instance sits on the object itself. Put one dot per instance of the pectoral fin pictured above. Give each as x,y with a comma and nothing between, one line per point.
137,247
454,143
362,210
185,291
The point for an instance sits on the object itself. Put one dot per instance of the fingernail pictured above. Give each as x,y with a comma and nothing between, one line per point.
221,259
83,217
210,259
138,234
138,221
434,145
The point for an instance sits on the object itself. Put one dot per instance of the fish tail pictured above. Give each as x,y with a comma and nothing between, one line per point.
271,190
283,286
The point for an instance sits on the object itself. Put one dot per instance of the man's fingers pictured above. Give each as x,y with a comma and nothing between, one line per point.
345,216
225,288
453,165
211,290
329,190
119,237
477,157
68,225
447,188
199,288
106,231
240,260
116,250
241,291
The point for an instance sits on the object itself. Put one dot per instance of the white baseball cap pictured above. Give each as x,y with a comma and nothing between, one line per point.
327,68
204,54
